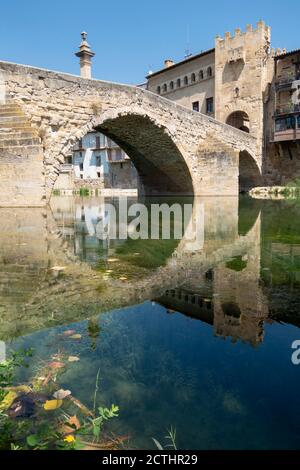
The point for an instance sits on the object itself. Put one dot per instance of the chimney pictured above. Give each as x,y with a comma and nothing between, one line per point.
85,54
169,63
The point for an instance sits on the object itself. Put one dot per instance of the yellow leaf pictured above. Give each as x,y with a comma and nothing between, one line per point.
77,336
50,405
69,438
8,400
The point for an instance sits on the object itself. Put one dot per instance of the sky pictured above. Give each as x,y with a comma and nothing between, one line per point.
131,37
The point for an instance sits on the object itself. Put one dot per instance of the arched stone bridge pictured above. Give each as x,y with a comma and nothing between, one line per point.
175,150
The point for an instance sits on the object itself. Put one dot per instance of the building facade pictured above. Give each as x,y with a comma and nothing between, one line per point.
246,84
97,162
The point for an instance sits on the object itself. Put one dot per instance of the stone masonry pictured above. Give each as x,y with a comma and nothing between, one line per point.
164,140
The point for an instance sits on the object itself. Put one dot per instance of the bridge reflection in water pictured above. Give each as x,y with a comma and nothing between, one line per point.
54,269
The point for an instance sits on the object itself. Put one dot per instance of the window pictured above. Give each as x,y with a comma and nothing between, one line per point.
98,174
209,105
172,85
81,166
195,106
121,166
284,124
201,75
68,160
165,88
186,80
193,78
98,160
80,143
178,83
97,141
209,71
158,90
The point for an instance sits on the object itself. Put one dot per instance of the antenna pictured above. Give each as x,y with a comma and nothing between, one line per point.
187,51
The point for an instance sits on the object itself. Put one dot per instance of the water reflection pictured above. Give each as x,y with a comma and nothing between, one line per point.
165,309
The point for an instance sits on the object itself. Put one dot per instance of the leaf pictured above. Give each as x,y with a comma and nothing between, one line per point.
56,365
73,359
61,394
8,400
69,332
158,445
74,421
51,405
32,440
76,336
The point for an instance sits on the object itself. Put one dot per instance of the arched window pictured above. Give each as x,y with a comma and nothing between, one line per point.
178,83
193,78
240,120
186,80
201,75
172,85
158,90
165,88
209,71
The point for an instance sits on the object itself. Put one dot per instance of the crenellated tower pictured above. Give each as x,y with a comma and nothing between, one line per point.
243,69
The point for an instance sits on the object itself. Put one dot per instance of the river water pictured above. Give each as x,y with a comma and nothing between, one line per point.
197,337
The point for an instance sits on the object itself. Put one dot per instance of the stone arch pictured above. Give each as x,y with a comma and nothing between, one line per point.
249,172
160,164
240,120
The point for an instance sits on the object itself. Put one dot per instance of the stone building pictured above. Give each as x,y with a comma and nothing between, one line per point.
97,162
244,83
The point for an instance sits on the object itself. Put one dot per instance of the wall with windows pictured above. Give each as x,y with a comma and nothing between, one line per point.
190,83
96,158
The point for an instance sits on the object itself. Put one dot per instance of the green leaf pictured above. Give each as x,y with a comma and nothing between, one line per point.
32,440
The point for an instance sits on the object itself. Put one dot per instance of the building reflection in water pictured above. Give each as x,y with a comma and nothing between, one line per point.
225,282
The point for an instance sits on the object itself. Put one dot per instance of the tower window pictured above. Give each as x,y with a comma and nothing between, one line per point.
193,78
178,83
195,106
201,75
172,85
158,90
186,80
209,105
209,71
165,88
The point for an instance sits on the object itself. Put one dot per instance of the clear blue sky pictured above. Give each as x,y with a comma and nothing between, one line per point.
129,36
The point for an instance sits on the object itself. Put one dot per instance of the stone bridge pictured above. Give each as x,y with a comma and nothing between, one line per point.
175,150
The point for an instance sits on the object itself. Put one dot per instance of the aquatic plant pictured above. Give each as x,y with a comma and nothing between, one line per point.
38,415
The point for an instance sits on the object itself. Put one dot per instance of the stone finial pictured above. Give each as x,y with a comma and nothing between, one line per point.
227,35
85,54
237,31
249,28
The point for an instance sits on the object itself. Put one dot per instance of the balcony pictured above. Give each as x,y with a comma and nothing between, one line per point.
287,128
286,108
286,81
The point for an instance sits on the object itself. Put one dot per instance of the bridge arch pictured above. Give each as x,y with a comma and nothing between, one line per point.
159,161
249,172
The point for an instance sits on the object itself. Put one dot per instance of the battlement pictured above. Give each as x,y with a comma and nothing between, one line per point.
261,27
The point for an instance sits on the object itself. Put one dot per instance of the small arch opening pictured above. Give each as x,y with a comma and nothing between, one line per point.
239,120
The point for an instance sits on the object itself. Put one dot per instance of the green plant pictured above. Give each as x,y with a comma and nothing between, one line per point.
171,436
7,368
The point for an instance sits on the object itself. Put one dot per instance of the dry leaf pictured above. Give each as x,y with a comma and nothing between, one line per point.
56,365
77,336
74,421
73,358
50,405
61,394
69,332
